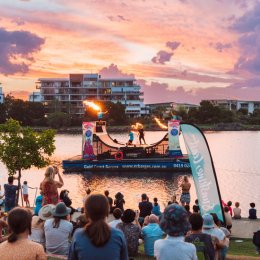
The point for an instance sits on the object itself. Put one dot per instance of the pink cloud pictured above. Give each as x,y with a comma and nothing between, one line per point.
112,71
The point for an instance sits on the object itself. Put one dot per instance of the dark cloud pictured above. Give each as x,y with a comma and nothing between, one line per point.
248,26
118,18
17,45
162,57
249,22
173,45
220,46
112,71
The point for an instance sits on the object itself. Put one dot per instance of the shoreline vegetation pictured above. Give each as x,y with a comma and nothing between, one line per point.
125,128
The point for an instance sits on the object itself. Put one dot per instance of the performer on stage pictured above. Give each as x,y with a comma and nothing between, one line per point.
141,135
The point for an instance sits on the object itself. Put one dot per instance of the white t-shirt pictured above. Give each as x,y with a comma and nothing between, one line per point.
215,232
174,248
25,189
114,222
57,239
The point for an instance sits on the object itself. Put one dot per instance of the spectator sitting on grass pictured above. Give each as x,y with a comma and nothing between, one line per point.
131,231
18,246
252,211
174,222
228,219
117,213
151,233
202,242
196,207
156,208
145,208
97,240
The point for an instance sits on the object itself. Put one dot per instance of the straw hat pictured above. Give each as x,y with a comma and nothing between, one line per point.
46,212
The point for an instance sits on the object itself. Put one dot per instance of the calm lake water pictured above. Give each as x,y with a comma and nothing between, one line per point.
236,156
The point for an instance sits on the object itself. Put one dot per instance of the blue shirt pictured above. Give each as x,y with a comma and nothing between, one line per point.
131,136
252,213
151,233
81,247
38,204
10,195
156,210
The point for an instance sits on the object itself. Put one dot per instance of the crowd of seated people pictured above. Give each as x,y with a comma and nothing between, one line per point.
175,233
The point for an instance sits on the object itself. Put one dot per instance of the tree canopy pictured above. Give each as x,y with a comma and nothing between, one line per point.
21,147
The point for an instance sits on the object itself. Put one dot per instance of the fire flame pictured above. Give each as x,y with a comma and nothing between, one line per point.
137,126
159,123
92,105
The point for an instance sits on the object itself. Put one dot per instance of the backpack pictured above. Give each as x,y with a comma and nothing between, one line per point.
256,238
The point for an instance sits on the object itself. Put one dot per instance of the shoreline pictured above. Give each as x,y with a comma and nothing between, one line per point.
120,129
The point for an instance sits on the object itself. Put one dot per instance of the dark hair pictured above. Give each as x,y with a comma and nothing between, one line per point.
226,209
215,218
229,203
25,182
187,207
155,199
96,210
252,204
196,221
19,220
56,221
128,216
106,192
117,213
144,196
196,201
119,196
10,179
88,191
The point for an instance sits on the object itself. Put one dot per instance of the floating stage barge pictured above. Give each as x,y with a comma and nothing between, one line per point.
102,153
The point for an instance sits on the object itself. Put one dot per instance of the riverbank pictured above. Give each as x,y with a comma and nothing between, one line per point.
154,128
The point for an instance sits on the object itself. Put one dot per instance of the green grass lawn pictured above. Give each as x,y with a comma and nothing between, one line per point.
245,248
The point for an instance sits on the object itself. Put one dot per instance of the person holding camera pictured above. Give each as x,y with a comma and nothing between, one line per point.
49,186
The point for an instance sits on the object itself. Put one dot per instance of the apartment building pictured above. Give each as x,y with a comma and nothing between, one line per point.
1,96
169,106
229,104
72,91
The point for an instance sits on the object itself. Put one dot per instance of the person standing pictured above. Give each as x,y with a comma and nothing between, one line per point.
110,201
145,208
185,195
49,186
26,193
10,194
141,135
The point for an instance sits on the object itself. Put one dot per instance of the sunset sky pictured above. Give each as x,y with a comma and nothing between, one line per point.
178,50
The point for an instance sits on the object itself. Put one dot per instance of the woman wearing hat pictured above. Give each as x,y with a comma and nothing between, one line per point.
174,222
49,186
97,240
37,234
58,230
131,231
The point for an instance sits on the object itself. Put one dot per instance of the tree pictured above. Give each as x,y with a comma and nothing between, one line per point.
58,120
21,148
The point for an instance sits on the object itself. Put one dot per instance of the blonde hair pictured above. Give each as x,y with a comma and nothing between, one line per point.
49,173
